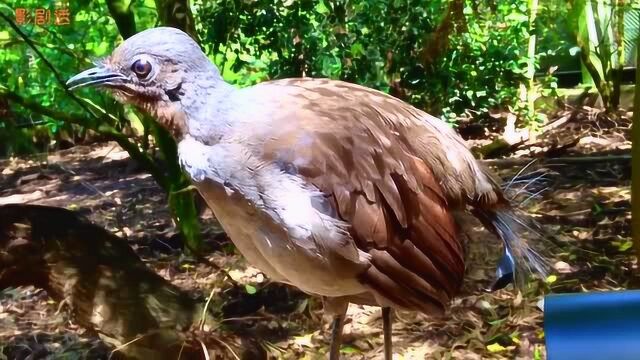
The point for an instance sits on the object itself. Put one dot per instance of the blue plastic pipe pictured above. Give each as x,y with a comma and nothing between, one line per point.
593,326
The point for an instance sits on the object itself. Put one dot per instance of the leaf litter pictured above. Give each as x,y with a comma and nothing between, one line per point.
586,207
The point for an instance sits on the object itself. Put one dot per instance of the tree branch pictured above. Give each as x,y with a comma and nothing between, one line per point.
123,16
177,14
66,51
502,163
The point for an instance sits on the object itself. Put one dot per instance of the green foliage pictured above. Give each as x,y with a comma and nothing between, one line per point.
38,70
486,66
631,35
31,77
180,194
353,41
69,48
599,28
403,47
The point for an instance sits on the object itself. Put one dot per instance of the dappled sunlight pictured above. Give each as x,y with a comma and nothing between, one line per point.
540,92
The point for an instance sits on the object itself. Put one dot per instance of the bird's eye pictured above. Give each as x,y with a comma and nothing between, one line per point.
142,68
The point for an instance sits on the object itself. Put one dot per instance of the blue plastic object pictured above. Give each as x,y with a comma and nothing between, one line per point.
593,326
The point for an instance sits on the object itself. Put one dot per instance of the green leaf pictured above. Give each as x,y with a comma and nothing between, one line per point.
250,289
357,50
626,245
348,349
495,347
102,49
597,209
517,17
631,34
574,50
322,8
246,57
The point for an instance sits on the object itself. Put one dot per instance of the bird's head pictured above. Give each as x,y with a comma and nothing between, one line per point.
161,70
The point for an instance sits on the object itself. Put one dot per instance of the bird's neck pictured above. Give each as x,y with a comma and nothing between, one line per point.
200,113
208,117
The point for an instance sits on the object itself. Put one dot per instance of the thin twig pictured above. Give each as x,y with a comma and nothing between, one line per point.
225,345
558,161
82,182
101,127
532,181
203,317
124,346
204,350
181,349
246,318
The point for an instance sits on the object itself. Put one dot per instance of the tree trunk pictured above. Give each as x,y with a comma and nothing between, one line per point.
635,164
436,44
619,41
177,14
123,15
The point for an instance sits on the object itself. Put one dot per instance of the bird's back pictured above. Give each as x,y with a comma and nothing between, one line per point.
351,121
392,173
365,182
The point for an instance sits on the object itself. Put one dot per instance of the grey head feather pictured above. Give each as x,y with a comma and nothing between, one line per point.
166,44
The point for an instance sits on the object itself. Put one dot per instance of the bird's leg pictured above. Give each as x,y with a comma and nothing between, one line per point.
336,337
338,308
386,329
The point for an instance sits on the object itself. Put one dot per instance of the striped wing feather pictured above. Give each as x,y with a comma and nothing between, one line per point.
378,181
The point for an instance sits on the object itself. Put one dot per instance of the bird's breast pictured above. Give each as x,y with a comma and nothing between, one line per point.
270,217
274,249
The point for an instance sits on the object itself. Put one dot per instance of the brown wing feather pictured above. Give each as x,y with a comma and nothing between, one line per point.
366,160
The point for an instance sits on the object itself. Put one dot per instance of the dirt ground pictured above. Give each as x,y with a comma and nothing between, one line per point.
585,205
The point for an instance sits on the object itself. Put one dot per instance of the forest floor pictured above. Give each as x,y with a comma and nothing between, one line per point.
586,205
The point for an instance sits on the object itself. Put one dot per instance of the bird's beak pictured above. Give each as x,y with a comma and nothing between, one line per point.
97,76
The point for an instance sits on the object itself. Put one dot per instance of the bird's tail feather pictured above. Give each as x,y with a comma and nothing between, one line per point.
522,238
